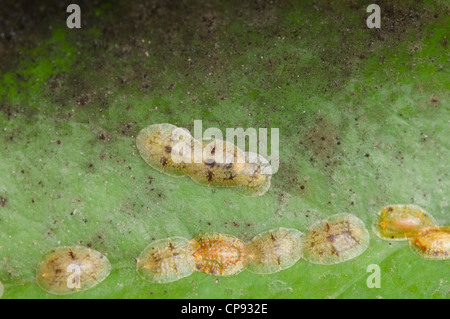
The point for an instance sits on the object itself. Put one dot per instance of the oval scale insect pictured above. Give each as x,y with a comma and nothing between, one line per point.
218,254
165,260
274,250
166,148
334,240
66,270
213,163
399,222
226,165
432,243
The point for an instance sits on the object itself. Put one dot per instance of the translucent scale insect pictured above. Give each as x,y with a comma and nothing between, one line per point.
166,148
218,254
66,270
432,242
399,222
225,165
213,163
165,260
336,239
274,250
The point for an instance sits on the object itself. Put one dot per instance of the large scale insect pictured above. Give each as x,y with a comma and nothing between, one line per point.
66,270
213,163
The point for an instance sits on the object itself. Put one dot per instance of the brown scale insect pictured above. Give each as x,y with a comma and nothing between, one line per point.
218,254
66,270
334,240
165,260
399,222
432,242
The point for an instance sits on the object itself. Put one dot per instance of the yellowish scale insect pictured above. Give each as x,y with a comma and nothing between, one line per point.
1,289
400,222
226,165
432,242
334,240
66,270
215,163
165,260
218,254
157,143
274,250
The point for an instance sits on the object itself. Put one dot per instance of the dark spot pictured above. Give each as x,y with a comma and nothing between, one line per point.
367,155
210,162
168,149
231,176
163,161
84,99
210,176
71,254
126,128
3,201
335,252
58,142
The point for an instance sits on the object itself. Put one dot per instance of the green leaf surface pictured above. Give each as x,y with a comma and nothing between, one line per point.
363,116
